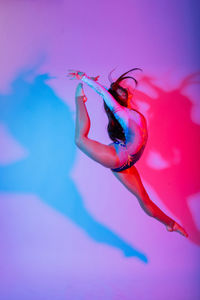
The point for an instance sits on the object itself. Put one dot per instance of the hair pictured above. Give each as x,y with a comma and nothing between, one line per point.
115,130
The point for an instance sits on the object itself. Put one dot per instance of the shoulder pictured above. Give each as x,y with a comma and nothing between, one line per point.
138,117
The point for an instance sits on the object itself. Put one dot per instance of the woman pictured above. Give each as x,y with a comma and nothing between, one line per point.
128,130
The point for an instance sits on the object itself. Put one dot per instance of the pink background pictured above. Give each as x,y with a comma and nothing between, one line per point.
68,229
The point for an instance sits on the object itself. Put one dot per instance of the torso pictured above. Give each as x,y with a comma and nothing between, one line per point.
136,136
137,133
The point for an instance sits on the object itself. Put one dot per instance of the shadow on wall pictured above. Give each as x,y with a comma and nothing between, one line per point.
43,125
174,137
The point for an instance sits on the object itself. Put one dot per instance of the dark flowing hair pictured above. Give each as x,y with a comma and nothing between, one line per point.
115,130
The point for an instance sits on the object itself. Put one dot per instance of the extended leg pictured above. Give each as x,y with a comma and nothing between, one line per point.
104,154
130,178
82,117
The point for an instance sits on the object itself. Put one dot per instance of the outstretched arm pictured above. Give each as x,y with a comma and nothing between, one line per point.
120,112
107,97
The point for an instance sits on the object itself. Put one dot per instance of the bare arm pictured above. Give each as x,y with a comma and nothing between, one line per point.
120,112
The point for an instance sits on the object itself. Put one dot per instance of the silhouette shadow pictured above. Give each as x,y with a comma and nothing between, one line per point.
43,124
174,135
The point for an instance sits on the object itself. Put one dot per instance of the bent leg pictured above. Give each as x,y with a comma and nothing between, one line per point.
106,155
82,118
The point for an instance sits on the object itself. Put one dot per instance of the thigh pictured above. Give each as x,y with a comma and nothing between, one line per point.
106,155
131,179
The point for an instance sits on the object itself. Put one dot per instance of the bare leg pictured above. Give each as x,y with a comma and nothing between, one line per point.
105,155
82,117
130,178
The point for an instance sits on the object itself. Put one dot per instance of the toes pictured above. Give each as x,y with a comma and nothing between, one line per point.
180,230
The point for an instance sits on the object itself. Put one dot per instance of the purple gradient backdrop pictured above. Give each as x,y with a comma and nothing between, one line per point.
68,229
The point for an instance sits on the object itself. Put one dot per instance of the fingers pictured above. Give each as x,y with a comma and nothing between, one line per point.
71,74
76,75
70,77
75,72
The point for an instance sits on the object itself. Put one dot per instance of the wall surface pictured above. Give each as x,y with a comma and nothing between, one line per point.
68,228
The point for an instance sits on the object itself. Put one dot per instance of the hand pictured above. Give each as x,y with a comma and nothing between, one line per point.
73,74
95,78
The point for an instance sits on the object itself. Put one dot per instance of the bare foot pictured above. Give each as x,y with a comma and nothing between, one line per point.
176,227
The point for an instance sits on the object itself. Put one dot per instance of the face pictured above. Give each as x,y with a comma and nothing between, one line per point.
121,94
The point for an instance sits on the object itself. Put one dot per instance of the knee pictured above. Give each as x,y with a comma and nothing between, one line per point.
148,207
78,142
150,211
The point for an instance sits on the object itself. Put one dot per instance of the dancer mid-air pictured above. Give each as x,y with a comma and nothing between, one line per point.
128,130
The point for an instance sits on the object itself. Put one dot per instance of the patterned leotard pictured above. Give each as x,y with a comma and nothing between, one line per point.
132,159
